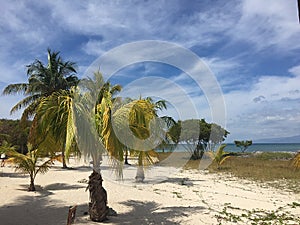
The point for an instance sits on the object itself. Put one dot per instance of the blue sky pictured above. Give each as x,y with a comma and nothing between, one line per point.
251,46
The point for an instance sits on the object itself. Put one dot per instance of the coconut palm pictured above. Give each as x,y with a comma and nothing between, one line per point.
53,115
134,126
32,163
70,116
43,80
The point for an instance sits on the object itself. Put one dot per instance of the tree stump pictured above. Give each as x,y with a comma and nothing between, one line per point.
98,208
71,215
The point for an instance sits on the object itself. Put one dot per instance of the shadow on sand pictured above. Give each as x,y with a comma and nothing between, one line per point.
47,190
143,213
36,210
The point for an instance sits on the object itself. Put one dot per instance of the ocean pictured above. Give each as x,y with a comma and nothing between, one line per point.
266,147
262,147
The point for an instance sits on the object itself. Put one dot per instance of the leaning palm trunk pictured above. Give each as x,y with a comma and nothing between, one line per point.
98,208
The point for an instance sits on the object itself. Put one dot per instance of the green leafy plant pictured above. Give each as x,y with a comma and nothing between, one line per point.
296,161
220,155
282,215
32,163
243,145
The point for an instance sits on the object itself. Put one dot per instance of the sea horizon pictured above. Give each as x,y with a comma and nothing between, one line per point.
255,147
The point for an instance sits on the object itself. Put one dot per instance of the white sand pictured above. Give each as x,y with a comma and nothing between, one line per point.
168,196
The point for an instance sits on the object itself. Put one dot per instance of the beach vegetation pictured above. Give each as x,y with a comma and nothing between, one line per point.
137,129
296,161
281,215
243,145
15,133
219,156
267,170
200,136
43,81
32,163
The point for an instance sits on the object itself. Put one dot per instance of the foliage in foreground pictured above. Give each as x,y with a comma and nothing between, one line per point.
220,155
30,164
296,161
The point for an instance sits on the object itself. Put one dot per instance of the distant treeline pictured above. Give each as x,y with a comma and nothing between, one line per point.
15,133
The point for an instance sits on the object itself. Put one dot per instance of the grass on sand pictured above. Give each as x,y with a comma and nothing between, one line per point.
268,168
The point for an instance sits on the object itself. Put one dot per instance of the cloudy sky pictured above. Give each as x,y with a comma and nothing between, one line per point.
251,47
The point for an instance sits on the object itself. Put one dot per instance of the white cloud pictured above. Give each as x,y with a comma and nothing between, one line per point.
269,108
93,47
268,24
119,23
23,23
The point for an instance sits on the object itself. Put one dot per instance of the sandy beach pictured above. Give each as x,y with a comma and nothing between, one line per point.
168,196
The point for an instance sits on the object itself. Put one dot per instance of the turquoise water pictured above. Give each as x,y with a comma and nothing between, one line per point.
267,147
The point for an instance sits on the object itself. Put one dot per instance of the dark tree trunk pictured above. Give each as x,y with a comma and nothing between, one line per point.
31,186
98,208
198,152
126,158
63,157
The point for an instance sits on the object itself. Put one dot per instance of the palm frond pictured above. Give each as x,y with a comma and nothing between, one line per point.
44,168
20,88
26,102
296,161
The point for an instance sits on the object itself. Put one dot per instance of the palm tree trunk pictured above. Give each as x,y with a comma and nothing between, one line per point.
140,174
126,157
64,159
31,186
98,208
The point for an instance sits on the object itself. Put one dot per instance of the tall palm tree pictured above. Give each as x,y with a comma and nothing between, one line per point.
73,114
43,80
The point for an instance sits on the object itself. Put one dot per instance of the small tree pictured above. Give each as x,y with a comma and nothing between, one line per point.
243,145
30,163
220,155
198,136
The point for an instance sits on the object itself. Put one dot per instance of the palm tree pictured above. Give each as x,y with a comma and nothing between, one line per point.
53,115
220,155
43,81
133,126
296,161
71,115
29,164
